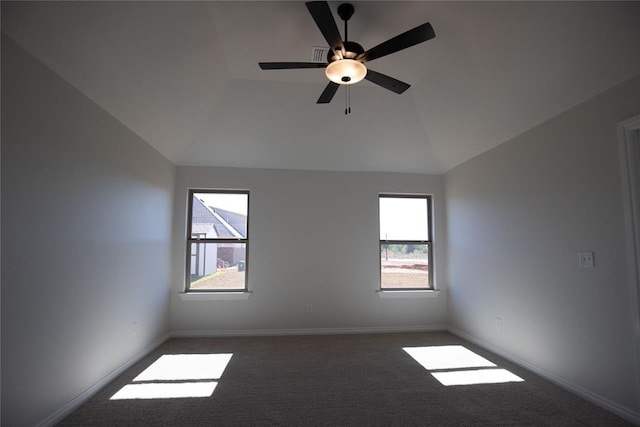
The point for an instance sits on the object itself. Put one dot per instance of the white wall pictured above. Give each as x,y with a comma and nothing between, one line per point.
517,217
86,229
313,239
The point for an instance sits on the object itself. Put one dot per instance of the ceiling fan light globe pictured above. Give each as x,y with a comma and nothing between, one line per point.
346,71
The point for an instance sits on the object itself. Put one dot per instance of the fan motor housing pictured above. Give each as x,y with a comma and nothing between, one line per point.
352,50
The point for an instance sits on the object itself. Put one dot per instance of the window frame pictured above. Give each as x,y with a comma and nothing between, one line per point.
216,240
428,243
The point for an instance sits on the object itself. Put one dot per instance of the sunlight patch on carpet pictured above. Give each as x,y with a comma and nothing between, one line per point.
177,376
165,390
173,367
452,365
477,376
447,357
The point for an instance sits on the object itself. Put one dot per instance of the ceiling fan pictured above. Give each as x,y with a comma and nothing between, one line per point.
346,59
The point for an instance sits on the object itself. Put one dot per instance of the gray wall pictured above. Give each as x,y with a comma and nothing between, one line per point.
86,229
517,217
313,239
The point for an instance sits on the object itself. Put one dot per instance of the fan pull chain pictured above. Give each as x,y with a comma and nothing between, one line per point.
347,100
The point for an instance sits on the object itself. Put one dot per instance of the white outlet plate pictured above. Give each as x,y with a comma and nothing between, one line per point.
586,259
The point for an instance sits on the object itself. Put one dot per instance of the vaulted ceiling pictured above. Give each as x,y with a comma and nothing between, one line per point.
184,76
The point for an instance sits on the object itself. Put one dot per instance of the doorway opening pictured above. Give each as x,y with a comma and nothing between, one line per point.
629,145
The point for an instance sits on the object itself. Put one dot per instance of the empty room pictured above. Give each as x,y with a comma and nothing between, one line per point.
320,213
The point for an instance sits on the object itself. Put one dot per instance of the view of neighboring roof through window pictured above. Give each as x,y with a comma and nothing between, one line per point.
217,240
406,252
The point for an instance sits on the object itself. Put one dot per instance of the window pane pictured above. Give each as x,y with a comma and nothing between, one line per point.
404,266
217,266
403,218
219,215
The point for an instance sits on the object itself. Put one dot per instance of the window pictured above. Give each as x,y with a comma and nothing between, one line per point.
217,240
406,249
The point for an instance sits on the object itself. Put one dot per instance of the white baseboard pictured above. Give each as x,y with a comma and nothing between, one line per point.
309,331
83,397
621,411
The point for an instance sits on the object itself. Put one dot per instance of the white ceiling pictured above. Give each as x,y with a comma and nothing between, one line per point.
184,76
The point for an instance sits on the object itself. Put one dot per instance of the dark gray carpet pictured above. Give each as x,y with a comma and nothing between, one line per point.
340,380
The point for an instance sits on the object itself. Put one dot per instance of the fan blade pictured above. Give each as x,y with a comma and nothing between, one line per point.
419,34
290,65
386,82
321,14
328,92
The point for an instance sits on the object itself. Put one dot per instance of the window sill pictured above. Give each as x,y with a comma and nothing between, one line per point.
214,296
431,293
